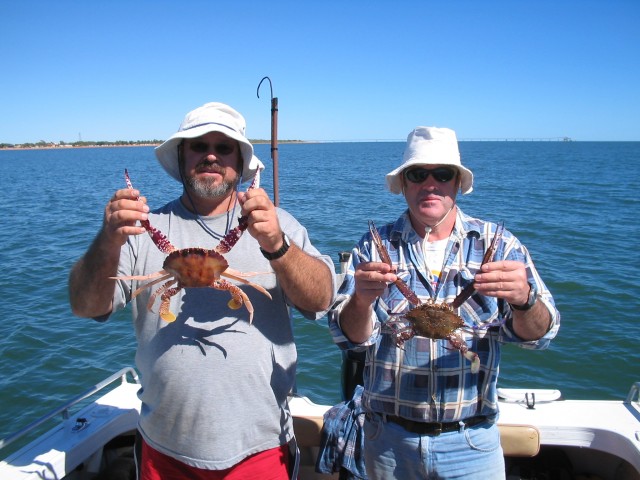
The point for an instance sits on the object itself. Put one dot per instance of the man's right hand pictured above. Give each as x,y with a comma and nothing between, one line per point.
122,214
371,278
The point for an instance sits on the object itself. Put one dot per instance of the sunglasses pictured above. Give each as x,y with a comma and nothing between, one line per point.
419,175
203,147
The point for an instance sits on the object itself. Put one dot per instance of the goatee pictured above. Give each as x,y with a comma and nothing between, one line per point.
208,189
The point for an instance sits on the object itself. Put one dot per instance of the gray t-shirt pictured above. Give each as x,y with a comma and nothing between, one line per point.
214,388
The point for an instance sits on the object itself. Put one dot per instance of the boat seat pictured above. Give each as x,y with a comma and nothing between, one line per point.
519,440
516,440
308,430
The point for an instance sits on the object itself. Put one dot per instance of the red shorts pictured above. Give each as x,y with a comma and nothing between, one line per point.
268,465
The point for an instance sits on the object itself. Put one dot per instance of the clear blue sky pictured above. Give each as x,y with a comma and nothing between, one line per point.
341,69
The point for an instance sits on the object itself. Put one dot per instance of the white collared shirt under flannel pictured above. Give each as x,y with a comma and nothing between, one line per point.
427,380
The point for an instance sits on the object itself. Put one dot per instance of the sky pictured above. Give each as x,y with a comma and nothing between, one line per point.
342,70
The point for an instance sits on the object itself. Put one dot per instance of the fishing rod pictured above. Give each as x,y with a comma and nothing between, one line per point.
274,139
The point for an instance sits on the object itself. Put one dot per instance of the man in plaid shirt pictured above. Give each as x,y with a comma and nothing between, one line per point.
430,411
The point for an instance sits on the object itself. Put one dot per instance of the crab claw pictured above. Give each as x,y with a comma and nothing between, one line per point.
384,257
474,359
156,235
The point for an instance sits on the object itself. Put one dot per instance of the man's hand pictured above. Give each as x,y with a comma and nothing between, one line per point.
506,279
121,215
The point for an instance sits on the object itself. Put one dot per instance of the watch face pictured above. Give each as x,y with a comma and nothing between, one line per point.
531,299
533,295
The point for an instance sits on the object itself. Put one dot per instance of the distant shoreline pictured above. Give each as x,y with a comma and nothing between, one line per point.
73,147
286,142
120,145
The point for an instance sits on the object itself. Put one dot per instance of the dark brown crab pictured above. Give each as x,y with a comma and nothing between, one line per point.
195,267
428,319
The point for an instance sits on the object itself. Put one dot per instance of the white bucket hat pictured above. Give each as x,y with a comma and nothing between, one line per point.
431,146
211,117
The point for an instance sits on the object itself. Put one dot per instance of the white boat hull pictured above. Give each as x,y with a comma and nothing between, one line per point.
599,438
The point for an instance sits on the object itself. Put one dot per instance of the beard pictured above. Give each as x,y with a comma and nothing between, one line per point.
206,188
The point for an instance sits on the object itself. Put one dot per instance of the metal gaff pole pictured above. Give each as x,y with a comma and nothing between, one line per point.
274,140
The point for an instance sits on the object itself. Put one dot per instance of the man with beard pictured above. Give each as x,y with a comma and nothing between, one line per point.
214,385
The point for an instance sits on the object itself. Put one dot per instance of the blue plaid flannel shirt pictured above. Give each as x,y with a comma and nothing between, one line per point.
427,380
342,444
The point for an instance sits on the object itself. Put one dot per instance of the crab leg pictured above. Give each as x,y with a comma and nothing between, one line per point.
238,278
458,343
167,292
464,295
384,256
232,237
150,284
140,277
238,297
159,277
157,236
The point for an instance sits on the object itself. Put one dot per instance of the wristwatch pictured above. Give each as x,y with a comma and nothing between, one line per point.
531,300
278,253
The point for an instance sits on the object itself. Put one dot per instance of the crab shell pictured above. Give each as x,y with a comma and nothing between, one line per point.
195,267
434,320
438,321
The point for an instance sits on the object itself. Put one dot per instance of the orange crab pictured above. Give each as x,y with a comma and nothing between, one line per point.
195,267
429,319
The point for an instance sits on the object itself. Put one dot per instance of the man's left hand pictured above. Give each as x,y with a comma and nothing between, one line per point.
263,221
505,279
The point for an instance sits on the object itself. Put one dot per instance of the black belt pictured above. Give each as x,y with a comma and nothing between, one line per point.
435,428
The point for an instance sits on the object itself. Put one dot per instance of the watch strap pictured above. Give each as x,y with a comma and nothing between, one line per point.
531,300
278,253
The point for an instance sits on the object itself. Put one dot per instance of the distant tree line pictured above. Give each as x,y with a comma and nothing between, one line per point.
117,143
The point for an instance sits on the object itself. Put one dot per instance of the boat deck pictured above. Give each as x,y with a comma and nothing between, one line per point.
590,431
599,437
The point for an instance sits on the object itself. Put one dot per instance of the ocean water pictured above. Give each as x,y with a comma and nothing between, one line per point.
573,204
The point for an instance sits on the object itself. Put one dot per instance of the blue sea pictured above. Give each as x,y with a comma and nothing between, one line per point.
573,204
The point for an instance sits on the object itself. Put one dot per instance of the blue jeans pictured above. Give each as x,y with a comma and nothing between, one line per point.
393,452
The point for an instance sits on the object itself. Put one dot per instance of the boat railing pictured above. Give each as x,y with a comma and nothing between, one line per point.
64,409
634,393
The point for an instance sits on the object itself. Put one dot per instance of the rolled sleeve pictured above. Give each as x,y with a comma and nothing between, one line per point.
507,335
517,251
339,338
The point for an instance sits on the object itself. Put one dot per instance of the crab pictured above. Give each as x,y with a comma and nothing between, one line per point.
195,267
430,319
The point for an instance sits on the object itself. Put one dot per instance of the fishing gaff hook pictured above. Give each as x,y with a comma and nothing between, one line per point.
274,139
270,86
